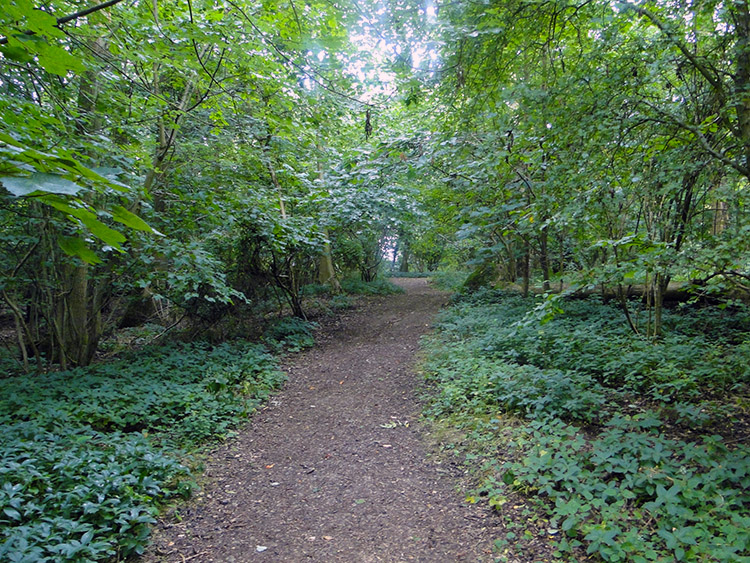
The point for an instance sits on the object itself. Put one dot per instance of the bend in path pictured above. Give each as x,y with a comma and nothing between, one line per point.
335,469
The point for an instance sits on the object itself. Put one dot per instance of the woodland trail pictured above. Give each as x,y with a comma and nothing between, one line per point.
336,468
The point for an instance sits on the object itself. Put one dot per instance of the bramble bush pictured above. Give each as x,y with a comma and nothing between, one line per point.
89,455
596,448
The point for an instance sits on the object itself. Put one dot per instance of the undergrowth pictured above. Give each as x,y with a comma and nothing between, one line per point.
409,275
88,455
450,280
289,334
380,286
626,445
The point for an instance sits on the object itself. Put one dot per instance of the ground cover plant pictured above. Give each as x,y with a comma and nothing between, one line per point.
632,449
289,333
379,286
88,455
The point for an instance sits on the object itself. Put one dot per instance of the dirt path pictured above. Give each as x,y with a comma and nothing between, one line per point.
336,469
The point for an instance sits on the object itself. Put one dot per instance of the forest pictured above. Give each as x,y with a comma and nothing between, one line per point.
187,186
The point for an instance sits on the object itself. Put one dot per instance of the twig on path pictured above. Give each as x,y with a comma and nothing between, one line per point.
184,559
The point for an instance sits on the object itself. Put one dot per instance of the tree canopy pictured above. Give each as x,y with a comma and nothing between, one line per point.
214,164
196,152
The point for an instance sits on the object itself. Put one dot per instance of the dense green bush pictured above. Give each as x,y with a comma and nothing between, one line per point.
397,274
449,280
80,495
290,333
632,494
89,454
377,287
690,363
598,450
315,289
470,383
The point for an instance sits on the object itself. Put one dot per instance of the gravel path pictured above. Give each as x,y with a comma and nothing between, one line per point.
337,468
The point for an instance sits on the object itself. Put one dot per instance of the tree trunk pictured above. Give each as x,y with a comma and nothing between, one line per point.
544,258
721,218
741,16
326,271
526,266
78,317
405,255
512,267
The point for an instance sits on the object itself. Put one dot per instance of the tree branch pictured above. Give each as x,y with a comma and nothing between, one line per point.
710,76
74,16
314,77
717,154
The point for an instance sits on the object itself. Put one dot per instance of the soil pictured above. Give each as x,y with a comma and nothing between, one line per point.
337,467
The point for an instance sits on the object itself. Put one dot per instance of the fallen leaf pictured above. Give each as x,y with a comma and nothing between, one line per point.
270,466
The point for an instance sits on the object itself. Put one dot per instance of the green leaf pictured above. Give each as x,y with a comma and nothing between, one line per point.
56,60
16,53
106,234
12,513
107,172
75,246
129,219
39,182
104,173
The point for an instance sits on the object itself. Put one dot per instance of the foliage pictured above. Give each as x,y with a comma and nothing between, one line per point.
88,453
379,286
593,143
196,158
450,280
692,363
632,494
76,494
340,302
290,333
409,275
602,450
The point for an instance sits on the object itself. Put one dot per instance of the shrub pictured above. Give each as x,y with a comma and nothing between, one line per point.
377,287
631,494
599,454
290,333
80,495
89,454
